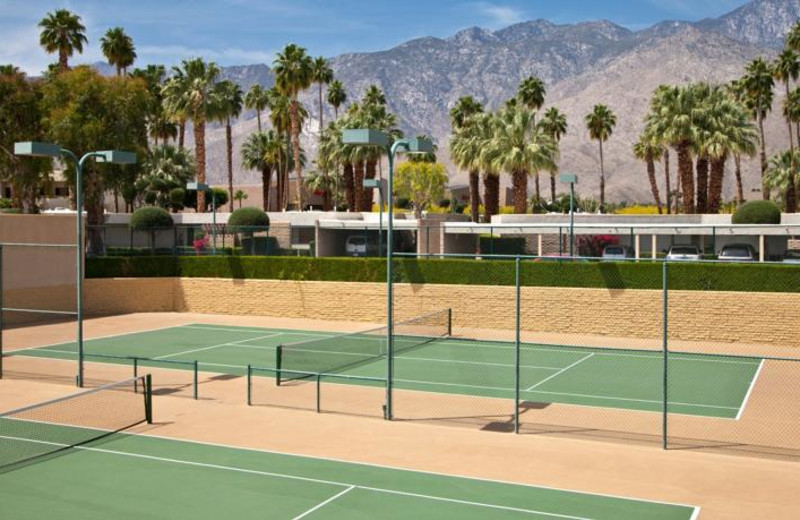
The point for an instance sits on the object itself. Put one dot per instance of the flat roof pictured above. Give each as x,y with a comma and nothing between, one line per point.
623,229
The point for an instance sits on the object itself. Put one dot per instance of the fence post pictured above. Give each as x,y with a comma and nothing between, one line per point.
665,349
278,359
195,379
249,385
148,398
135,373
318,392
517,346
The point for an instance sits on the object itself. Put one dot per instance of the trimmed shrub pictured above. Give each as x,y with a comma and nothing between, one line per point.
248,217
150,218
757,212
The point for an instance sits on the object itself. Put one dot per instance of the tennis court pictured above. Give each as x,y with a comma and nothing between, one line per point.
71,455
708,386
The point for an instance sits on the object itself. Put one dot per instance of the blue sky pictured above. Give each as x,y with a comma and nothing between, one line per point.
238,32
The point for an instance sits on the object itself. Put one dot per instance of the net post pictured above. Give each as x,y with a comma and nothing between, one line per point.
148,398
516,343
449,322
249,385
278,362
195,379
135,374
319,377
665,349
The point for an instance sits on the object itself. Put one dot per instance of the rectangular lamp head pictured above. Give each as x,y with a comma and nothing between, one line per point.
37,149
367,137
197,186
569,178
117,157
417,145
372,183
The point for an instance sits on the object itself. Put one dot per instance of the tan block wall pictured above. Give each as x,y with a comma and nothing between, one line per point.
748,318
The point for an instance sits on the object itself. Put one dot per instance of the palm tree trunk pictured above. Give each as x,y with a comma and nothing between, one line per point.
266,180
358,185
181,133
685,169
320,110
701,199
279,189
737,159
229,144
491,195
602,180
666,177
63,63
553,186
298,168
258,118
367,197
535,187
715,184
520,181
651,174
764,187
474,195
200,153
791,191
350,186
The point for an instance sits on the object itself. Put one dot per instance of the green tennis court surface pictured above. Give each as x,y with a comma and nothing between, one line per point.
702,385
132,476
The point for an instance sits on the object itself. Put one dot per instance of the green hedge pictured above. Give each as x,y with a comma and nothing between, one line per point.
607,275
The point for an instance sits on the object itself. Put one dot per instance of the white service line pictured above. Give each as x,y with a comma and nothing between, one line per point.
546,379
325,503
749,390
227,343
86,340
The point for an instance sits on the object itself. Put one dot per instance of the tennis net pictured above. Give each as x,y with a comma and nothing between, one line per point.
47,428
334,354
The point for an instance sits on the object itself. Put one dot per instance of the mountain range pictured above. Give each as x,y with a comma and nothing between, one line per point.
581,64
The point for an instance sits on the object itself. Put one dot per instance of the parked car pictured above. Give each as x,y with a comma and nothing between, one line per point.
792,256
616,253
738,253
358,245
683,253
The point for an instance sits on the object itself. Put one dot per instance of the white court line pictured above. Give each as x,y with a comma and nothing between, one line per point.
229,343
323,504
581,360
749,390
479,363
288,332
86,340
349,486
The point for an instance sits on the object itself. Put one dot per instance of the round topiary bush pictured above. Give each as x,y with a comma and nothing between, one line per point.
150,218
757,212
248,217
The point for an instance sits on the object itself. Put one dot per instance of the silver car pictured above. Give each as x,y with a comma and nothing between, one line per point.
738,253
683,253
617,253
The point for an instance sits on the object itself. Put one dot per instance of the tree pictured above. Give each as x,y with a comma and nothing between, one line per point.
166,169
62,32
160,125
263,151
374,96
372,113
282,123
781,175
531,93
332,157
322,74
257,98
519,147
601,123
758,82
460,116
554,124
118,49
649,150
336,96
293,74
192,96
786,69
226,104
174,105
421,182
89,112
240,196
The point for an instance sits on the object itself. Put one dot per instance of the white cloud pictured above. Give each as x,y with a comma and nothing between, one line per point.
226,56
499,15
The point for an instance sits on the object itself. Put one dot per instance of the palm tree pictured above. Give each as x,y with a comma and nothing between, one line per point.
240,196
378,117
531,93
195,99
322,74
601,123
781,174
374,96
226,105
785,69
649,150
519,147
262,151
554,124
118,49
336,96
293,74
174,106
257,99
758,83
62,32
330,158
460,116
793,38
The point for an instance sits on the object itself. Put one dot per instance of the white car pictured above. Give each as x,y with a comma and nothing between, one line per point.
683,253
617,253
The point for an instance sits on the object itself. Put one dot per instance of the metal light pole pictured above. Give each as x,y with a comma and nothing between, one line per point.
38,149
199,186
375,183
377,138
572,179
